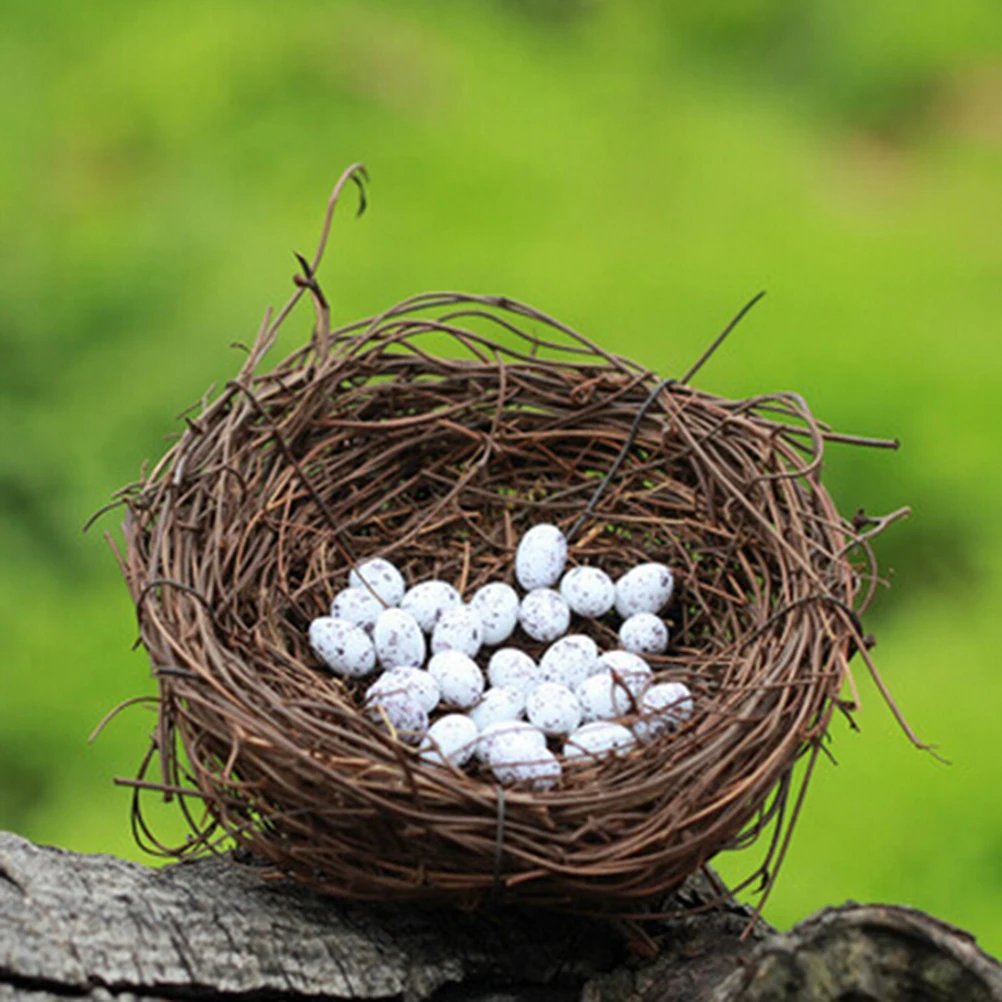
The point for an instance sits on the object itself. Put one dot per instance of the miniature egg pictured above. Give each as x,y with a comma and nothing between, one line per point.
540,557
344,647
458,629
597,740
632,669
569,660
602,697
379,576
497,605
499,703
459,678
553,708
358,606
398,639
544,614
428,600
663,707
420,683
451,738
513,762
645,588
402,712
501,731
588,591
514,669
644,633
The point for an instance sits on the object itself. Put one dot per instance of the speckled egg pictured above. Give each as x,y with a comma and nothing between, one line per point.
458,629
358,606
644,633
544,615
598,740
553,708
515,762
602,697
399,640
663,707
569,660
459,678
380,576
427,601
499,703
514,669
645,588
540,557
499,732
402,712
451,738
497,605
634,671
344,647
420,683
588,591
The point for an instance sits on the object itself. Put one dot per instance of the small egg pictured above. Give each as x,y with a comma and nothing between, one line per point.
631,668
569,660
544,615
540,557
428,600
358,606
537,768
499,703
379,576
420,683
645,588
588,591
514,669
597,740
458,629
459,678
344,647
492,734
644,633
553,708
451,738
602,697
399,640
497,605
663,707
402,712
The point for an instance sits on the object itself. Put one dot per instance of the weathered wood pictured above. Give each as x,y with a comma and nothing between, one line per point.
100,928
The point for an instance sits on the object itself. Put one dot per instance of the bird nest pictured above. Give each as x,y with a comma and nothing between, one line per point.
434,435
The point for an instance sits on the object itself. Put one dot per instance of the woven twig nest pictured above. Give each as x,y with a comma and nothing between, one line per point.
435,434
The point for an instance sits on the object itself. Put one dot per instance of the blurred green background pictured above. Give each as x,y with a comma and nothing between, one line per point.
638,169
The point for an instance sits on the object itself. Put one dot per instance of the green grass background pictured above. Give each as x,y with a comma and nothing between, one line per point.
638,169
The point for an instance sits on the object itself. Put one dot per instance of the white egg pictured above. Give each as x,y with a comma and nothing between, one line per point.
399,640
644,633
497,605
514,762
553,708
451,738
663,708
344,647
499,703
380,576
358,606
602,697
588,591
458,629
631,668
420,683
569,660
459,678
544,615
428,600
598,739
645,588
492,734
402,712
540,557
514,669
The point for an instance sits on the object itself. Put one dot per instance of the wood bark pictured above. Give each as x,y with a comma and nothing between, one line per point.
100,928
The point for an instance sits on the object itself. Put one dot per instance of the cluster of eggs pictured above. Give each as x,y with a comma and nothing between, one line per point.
424,640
